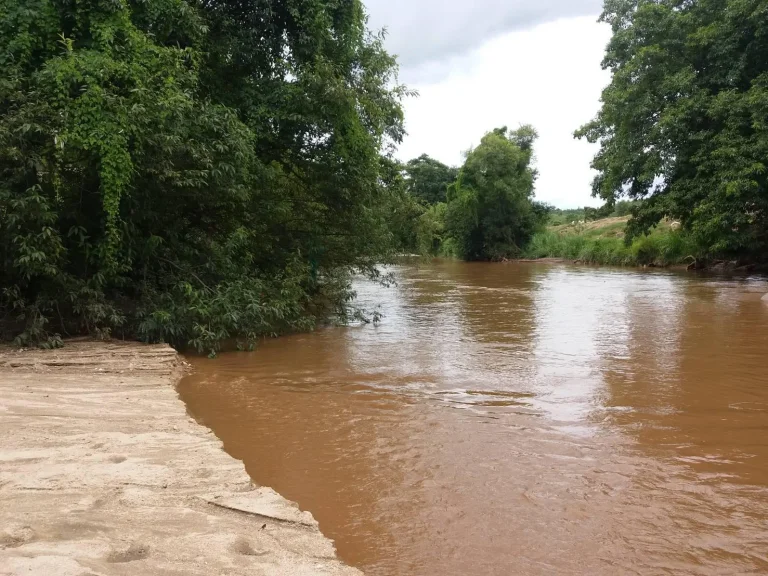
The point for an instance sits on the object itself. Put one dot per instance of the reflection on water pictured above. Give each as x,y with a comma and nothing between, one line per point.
518,419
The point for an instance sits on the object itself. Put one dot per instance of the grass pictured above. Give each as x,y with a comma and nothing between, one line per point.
606,227
602,242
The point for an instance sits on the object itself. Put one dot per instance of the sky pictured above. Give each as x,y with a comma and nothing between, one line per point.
489,63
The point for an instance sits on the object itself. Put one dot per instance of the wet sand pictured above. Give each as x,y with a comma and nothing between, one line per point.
102,472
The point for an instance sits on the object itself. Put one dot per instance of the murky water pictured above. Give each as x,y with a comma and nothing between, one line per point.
518,419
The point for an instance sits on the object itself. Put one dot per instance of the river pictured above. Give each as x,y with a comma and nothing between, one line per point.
517,419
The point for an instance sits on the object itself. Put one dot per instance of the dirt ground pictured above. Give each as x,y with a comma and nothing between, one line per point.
102,472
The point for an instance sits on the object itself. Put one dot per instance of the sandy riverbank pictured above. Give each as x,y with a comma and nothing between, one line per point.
102,472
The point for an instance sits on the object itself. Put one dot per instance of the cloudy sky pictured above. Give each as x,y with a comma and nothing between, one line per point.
488,63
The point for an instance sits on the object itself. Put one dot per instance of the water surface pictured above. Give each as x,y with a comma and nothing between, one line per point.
517,419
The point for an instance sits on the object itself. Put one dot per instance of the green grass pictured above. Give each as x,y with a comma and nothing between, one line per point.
605,246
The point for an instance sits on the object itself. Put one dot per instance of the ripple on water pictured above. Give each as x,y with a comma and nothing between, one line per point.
517,419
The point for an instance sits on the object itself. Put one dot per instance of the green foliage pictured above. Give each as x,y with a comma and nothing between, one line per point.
430,231
625,207
683,122
661,247
485,210
560,216
490,214
428,179
401,211
190,172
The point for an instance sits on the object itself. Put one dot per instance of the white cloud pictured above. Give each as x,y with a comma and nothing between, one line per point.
548,76
423,31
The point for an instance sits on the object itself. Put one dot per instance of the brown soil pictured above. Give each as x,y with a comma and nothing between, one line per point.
102,472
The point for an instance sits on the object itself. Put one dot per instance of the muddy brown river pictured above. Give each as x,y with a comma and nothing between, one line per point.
517,419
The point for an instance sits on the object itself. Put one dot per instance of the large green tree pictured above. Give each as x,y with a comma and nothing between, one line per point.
188,170
428,179
491,213
683,123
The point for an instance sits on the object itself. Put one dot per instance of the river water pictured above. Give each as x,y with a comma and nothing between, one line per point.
517,419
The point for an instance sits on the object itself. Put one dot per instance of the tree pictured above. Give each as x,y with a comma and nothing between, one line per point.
683,122
400,210
490,213
428,179
188,170
430,231
624,208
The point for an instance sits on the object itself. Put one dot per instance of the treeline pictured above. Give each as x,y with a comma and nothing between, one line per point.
197,172
683,138
683,123
190,171
193,172
483,210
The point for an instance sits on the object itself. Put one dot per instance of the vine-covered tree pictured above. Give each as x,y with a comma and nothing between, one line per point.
684,121
188,170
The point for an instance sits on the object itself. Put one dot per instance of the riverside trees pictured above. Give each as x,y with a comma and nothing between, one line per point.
189,171
489,212
683,121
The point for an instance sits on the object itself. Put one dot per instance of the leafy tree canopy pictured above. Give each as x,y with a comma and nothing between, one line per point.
188,170
490,213
428,179
683,121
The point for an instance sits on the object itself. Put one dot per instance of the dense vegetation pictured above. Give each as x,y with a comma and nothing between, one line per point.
604,242
189,171
683,137
683,124
192,171
428,179
483,210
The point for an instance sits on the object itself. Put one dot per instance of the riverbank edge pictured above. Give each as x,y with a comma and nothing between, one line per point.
104,473
718,267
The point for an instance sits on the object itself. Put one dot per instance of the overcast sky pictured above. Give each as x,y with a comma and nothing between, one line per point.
488,63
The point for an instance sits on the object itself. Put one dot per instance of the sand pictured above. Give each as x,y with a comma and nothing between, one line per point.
102,472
